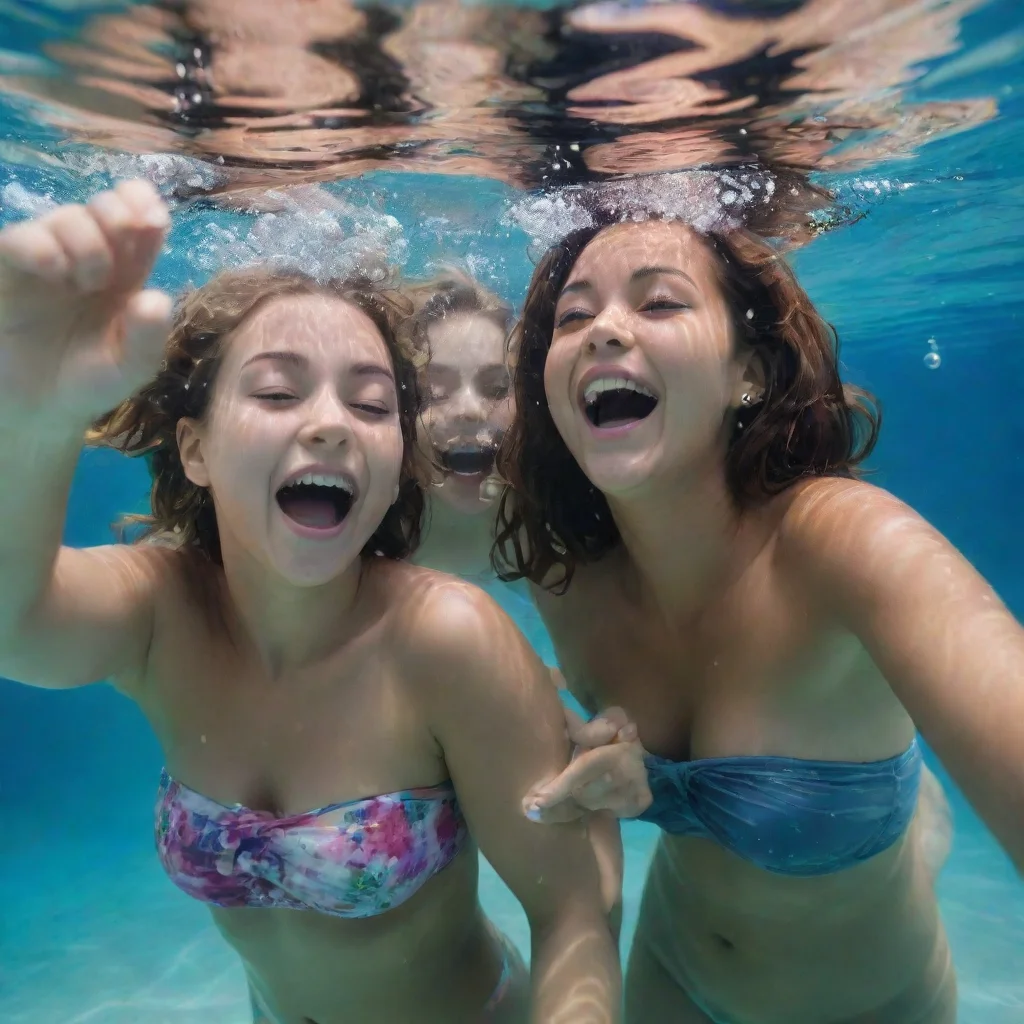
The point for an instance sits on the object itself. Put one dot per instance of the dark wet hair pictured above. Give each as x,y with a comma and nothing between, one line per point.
146,423
808,423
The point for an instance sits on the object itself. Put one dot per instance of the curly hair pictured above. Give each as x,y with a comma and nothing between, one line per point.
451,293
808,424
146,423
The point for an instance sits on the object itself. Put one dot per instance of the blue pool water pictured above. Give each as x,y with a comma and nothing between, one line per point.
91,931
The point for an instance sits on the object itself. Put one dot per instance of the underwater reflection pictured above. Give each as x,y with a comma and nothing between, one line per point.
283,91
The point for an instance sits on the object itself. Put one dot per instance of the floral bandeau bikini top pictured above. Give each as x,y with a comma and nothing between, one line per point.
352,859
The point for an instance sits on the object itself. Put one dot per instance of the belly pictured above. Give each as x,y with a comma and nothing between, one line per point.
433,959
757,948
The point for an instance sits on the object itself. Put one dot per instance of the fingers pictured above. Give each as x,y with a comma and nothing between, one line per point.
611,778
603,728
89,257
585,769
136,220
32,249
554,814
111,242
147,318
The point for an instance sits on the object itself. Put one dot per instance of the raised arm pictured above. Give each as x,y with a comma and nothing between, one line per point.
77,335
951,651
501,727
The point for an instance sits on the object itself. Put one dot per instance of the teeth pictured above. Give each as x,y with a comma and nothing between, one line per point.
595,387
324,480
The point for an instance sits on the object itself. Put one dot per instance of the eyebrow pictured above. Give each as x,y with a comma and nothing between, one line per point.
492,367
295,359
282,357
372,370
638,274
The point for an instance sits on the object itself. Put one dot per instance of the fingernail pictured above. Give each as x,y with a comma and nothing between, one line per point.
533,813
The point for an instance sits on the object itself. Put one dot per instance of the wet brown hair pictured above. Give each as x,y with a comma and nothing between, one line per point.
451,293
808,423
146,423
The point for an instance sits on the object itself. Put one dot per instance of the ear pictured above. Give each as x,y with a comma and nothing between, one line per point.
189,433
749,381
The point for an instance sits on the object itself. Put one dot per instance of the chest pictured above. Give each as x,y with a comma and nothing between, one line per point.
711,683
344,727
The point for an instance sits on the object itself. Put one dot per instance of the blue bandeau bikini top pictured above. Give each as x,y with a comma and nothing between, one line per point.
788,815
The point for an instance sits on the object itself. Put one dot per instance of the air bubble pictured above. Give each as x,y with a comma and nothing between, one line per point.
933,360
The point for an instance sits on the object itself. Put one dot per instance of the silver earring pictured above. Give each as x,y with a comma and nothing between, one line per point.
746,398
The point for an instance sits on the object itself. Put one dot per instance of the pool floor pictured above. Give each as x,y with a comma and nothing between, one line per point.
93,937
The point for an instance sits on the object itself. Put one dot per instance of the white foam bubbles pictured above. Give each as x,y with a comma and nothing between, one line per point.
173,175
317,233
707,200
14,196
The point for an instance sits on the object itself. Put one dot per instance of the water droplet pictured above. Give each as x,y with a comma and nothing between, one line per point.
933,360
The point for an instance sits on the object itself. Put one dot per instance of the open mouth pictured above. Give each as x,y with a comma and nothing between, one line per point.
617,402
469,460
317,502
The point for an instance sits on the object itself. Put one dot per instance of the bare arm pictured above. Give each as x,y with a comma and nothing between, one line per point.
951,651
499,722
76,335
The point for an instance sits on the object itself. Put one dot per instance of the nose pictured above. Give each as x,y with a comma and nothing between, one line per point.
329,424
610,329
467,404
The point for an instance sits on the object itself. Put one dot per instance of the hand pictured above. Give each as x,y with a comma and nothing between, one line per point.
77,332
607,773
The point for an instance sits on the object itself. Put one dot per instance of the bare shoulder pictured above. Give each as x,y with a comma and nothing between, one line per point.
179,575
443,616
135,576
838,533
831,514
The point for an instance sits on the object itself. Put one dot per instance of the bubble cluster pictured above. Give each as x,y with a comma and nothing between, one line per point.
932,359
14,196
173,175
707,200
336,239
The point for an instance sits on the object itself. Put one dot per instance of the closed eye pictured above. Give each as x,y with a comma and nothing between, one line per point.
499,389
663,305
572,315
274,396
373,408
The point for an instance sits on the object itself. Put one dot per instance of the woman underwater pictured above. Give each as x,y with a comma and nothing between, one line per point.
459,329
683,497
284,652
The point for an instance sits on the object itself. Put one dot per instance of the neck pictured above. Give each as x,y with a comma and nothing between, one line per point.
287,626
680,537
457,542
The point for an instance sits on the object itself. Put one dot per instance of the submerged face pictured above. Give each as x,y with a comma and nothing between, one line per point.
468,405
302,445
643,367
